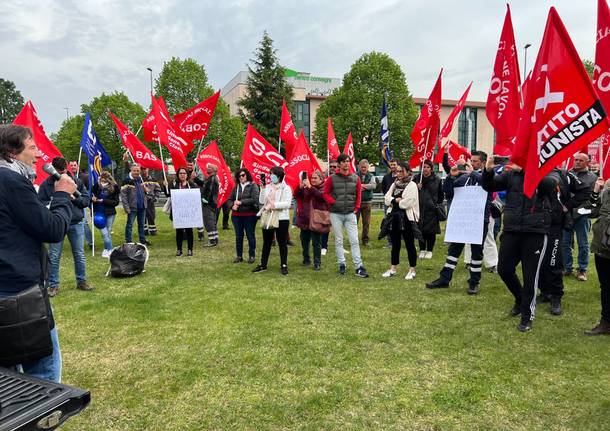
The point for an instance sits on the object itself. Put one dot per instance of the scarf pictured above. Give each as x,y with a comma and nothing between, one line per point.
270,204
400,186
20,168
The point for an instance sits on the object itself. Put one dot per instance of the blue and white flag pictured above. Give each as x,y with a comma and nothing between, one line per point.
92,147
384,143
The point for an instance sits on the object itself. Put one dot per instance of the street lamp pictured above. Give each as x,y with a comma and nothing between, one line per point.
67,109
525,60
151,79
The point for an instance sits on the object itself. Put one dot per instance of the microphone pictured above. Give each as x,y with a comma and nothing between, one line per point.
50,169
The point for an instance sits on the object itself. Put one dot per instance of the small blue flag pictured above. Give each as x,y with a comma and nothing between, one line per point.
384,143
94,151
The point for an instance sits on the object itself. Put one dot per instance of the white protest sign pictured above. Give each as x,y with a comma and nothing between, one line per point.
465,220
186,208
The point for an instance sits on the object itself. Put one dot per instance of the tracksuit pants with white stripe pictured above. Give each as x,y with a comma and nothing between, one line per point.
453,255
528,249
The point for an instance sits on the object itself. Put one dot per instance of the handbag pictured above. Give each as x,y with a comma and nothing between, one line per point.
384,229
319,220
25,328
441,212
167,206
270,219
416,231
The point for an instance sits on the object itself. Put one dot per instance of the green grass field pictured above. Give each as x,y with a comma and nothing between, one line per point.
201,343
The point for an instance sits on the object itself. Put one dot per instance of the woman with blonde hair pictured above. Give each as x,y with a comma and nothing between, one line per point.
105,198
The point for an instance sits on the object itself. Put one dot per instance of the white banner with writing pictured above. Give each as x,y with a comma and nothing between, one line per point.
186,208
466,214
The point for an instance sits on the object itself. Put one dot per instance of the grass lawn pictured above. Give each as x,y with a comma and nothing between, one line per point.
201,343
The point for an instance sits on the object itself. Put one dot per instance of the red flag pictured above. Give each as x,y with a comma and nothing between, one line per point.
148,124
601,74
28,117
331,142
503,100
288,133
194,122
170,136
212,155
455,151
446,130
258,155
349,150
562,112
140,153
302,159
425,131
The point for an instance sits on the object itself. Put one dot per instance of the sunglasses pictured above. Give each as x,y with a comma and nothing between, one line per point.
242,175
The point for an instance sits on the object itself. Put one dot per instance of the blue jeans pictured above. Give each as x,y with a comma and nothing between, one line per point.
76,236
49,367
106,232
245,224
140,214
581,228
349,222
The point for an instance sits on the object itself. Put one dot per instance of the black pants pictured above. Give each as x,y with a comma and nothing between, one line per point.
281,235
603,273
453,255
150,225
409,239
529,249
184,233
315,238
428,243
551,275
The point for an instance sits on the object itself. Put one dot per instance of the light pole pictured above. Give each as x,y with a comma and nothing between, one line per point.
151,79
525,60
67,112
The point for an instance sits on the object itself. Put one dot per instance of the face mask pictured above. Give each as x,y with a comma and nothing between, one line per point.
274,179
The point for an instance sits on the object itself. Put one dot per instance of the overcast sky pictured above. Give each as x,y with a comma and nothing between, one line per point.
63,53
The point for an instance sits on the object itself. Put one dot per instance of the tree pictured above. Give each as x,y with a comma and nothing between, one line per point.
11,101
266,88
68,137
183,84
356,107
589,66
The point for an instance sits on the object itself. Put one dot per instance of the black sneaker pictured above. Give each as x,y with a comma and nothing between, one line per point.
284,270
316,267
238,260
542,298
179,253
525,326
437,284
199,236
260,268
251,259
556,307
342,268
473,289
361,272
189,253
515,311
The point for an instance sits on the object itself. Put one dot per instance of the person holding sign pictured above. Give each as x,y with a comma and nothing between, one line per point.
182,182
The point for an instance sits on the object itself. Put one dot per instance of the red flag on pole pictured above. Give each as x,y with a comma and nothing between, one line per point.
455,151
194,122
149,126
503,100
301,160
601,76
446,130
258,155
349,150
140,153
170,136
288,133
212,155
331,142
28,117
425,132
562,112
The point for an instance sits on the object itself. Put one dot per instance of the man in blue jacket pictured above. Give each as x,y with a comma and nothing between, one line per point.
25,224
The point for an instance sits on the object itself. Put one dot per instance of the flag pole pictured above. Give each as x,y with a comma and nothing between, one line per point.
80,152
163,167
421,168
601,168
92,215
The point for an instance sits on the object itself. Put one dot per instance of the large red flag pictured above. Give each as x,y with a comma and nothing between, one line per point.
349,150
503,100
288,133
425,132
149,126
331,142
562,112
28,117
301,160
455,151
170,136
259,156
446,130
212,155
140,153
194,122
601,75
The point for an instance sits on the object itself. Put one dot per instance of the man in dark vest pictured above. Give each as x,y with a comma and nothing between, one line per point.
342,192
368,187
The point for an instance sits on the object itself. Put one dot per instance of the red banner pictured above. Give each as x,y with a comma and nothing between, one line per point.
288,134
455,151
349,150
446,130
195,121
503,101
302,160
562,112
170,136
331,142
28,117
140,153
259,156
425,132
601,75
212,155
149,126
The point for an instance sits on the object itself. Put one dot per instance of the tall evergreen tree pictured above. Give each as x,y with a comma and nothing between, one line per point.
11,101
266,87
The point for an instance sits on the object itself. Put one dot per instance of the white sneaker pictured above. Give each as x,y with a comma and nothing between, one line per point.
323,252
106,253
422,254
388,273
410,275
428,255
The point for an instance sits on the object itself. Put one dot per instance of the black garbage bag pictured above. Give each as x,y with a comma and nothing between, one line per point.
128,260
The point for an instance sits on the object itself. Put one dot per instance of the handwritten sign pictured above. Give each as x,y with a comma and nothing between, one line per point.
186,208
465,220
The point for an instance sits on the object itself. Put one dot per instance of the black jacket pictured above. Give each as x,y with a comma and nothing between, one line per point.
110,202
25,224
522,214
581,186
430,195
386,182
248,198
47,189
